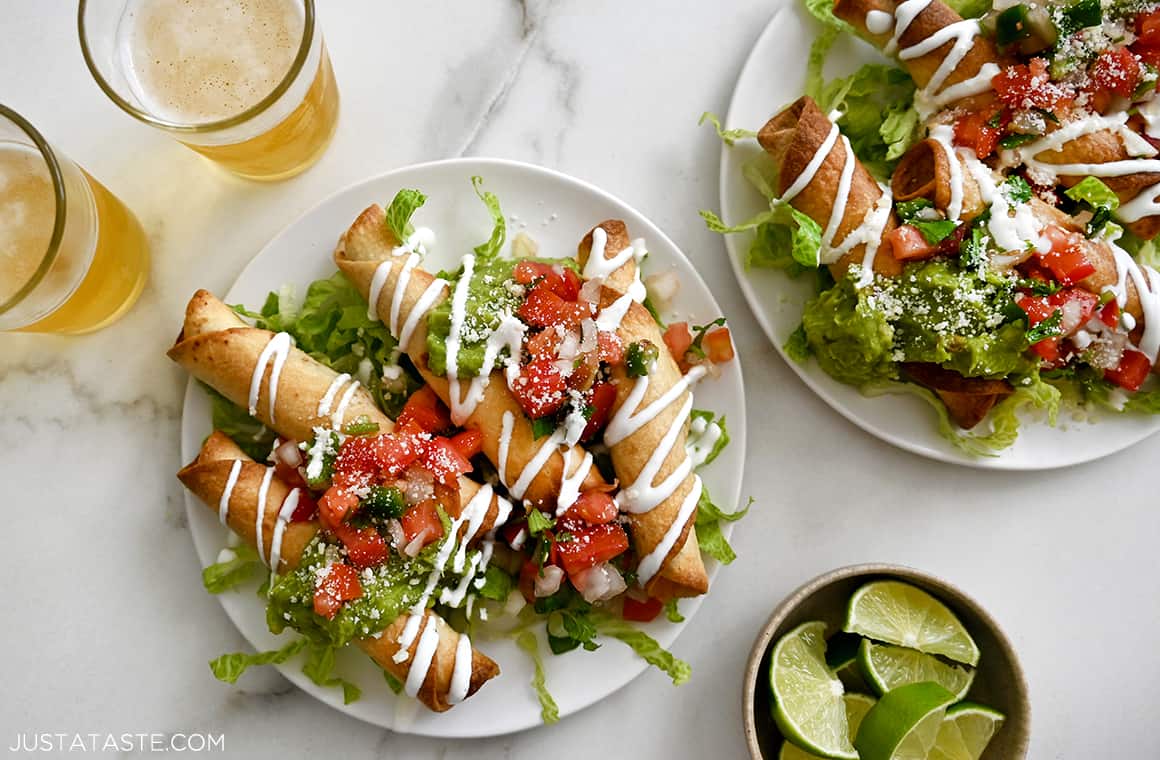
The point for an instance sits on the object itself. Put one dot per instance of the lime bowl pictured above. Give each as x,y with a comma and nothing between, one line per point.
999,682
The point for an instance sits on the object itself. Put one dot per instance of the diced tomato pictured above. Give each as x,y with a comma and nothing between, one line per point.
1132,372
422,521
468,443
510,532
1029,85
527,271
601,398
1110,314
609,347
426,410
1147,27
540,388
338,583
908,244
444,460
1049,350
543,345
307,507
584,371
364,546
641,612
718,345
595,507
975,130
1116,71
334,505
569,285
289,475
543,307
1066,259
363,458
588,545
678,338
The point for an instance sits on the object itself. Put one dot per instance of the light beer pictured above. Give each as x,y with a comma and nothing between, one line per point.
67,269
247,83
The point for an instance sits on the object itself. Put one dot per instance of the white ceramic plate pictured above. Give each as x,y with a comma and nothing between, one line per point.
557,210
774,77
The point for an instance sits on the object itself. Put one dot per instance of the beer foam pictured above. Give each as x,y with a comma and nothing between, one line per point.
27,215
196,62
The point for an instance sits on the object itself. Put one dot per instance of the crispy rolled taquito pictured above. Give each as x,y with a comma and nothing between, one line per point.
926,172
404,295
946,74
244,364
793,138
682,571
208,477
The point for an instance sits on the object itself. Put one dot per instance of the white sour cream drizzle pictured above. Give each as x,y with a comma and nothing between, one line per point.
424,653
869,231
289,504
570,484
260,510
535,464
461,673
628,418
1147,282
612,315
326,405
599,268
703,436
327,401
274,354
473,515
224,501
651,562
422,306
963,33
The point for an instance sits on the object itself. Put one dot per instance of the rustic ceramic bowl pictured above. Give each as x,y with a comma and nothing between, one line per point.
999,683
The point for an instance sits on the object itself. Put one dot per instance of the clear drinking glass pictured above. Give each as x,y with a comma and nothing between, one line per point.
72,257
247,83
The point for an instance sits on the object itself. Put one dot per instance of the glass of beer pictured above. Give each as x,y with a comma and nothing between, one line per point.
72,257
247,83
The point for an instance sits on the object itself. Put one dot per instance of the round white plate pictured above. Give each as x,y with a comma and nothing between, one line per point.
555,210
774,77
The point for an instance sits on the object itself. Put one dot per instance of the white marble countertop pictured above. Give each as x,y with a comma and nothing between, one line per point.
106,627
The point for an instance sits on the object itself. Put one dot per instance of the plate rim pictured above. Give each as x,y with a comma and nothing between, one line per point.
738,437
946,453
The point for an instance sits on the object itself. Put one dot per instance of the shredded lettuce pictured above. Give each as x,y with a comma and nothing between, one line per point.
970,8
493,245
319,668
708,527
232,572
1094,192
797,345
832,27
399,213
672,612
230,667
878,114
549,712
805,235
645,646
393,683
333,327
728,136
252,436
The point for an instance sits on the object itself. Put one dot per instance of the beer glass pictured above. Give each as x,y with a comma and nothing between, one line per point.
72,257
247,83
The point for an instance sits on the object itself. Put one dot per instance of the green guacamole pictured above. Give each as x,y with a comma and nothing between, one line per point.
491,293
935,312
391,589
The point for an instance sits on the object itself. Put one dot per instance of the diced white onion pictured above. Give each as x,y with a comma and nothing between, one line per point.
548,580
662,288
289,454
599,583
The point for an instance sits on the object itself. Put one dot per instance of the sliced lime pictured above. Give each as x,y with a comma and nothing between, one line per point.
899,613
857,705
807,697
904,723
965,732
887,667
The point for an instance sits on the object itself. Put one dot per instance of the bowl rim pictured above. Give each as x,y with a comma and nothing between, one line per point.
787,605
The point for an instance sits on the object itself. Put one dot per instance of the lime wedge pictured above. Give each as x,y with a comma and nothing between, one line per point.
904,723
807,697
901,614
857,705
887,667
965,732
